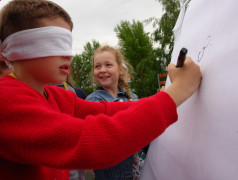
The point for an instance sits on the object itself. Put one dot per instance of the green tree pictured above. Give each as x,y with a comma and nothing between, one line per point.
137,48
163,34
81,67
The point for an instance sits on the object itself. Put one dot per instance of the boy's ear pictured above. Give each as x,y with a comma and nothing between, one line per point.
8,63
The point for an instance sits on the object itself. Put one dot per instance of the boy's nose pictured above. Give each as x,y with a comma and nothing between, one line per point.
69,58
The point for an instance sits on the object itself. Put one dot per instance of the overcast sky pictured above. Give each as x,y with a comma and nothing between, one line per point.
96,19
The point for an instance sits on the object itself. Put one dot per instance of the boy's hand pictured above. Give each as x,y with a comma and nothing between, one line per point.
184,80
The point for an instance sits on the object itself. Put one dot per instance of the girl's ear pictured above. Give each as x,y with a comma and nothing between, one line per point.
128,77
121,69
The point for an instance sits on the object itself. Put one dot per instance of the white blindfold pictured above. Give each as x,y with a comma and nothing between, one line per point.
37,43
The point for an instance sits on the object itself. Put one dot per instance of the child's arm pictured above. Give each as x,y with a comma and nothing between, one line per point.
32,132
94,97
85,108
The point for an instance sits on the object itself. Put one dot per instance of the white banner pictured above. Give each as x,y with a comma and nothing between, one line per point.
203,144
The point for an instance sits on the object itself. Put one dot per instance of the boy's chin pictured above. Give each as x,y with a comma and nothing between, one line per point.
58,82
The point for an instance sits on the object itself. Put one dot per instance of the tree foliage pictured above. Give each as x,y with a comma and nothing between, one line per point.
81,67
163,33
137,48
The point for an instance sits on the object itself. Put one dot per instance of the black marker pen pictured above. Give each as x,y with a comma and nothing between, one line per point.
181,57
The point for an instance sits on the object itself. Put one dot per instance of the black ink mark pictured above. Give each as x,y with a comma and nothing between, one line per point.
205,45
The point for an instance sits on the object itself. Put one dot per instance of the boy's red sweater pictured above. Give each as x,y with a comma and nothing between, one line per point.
43,138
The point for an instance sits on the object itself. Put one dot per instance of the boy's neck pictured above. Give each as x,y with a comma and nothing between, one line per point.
39,87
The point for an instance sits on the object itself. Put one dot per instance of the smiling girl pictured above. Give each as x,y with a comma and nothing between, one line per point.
109,72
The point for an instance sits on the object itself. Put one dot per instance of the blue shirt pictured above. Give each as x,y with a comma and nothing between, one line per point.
123,170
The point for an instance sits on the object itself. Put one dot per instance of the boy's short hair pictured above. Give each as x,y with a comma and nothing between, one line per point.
20,15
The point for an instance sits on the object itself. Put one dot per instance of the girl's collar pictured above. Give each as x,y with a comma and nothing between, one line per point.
121,89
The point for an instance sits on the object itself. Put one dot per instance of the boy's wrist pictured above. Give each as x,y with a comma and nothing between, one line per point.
178,93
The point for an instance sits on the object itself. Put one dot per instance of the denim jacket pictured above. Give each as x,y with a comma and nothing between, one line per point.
123,170
102,95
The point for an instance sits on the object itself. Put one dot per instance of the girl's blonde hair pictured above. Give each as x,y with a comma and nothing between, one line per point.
119,59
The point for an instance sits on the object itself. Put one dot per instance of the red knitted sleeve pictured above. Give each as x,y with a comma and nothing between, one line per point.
40,132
